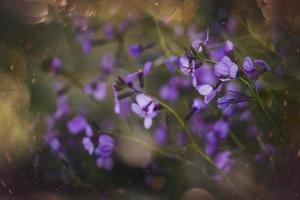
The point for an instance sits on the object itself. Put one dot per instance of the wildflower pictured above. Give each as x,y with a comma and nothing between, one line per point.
206,83
109,31
172,63
135,50
223,160
145,108
209,92
187,65
88,145
221,128
168,92
160,135
62,107
96,89
251,70
226,69
104,150
228,46
77,124
108,62
198,45
211,143
56,65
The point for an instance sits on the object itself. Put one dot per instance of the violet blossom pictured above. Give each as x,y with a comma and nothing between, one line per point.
256,68
104,150
145,108
96,89
226,69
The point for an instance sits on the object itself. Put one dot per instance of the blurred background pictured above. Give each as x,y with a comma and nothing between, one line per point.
80,33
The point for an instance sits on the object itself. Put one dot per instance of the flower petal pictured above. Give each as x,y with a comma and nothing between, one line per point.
205,89
147,122
142,100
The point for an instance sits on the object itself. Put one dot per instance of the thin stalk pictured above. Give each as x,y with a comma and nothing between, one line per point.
162,40
237,141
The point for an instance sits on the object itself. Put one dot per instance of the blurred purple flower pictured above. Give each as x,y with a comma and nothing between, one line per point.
198,104
224,161
105,162
56,65
161,135
104,150
168,92
251,70
55,144
229,46
135,50
210,142
172,63
106,146
226,69
96,89
109,31
145,108
77,124
88,145
108,62
62,107
221,128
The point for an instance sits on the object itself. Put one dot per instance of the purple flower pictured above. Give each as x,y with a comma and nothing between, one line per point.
105,146
221,127
209,92
226,69
168,92
84,39
198,44
250,67
88,145
105,162
96,89
172,63
89,131
204,75
109,31
135,50
160,135
224,161
187,65
55,144
103,152
205,81
229,46
62,107
211,143
108,62
145,108
77,124
198,104
56,65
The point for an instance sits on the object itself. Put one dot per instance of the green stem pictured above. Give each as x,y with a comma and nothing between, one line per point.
162,40
237,141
